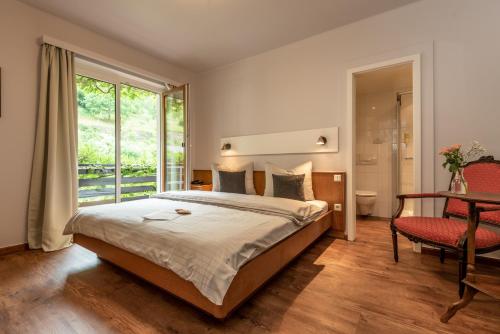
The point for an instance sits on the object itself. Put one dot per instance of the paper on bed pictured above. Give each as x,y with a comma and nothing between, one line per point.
161,215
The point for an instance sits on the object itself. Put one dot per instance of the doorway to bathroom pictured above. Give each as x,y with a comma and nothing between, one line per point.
384,118
384,140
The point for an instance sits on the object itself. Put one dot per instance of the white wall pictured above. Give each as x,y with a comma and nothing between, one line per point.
303,85
374,137
21,27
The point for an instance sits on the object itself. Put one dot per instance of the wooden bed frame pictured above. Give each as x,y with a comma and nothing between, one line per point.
249,278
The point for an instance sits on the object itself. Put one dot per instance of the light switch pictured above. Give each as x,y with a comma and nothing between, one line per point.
337,207
337,178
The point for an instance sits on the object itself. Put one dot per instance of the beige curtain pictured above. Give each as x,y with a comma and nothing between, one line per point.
54,178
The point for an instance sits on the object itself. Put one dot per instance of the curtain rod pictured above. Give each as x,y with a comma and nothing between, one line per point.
107,61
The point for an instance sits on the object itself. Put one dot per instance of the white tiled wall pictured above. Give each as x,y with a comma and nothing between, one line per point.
376,131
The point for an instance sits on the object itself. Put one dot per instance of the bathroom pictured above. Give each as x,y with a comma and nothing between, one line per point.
384,140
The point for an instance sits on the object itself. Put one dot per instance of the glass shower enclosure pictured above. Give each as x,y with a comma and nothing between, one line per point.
402,150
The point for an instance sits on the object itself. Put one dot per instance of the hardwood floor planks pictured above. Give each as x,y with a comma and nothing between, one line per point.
334,287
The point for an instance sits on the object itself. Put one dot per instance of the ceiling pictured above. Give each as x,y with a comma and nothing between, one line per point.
392,78
203,34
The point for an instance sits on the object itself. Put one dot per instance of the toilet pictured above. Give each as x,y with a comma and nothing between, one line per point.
365,202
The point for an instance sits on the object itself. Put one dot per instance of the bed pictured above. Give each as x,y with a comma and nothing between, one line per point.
215,258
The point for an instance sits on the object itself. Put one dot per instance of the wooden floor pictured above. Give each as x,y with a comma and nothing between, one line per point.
335,287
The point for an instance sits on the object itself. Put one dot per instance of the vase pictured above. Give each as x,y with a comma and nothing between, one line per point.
459,184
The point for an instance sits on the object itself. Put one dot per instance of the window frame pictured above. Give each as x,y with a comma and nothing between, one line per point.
187,139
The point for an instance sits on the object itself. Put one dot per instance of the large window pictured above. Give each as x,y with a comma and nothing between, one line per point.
118,141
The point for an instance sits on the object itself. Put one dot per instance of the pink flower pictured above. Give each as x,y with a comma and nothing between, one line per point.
445,150
449,149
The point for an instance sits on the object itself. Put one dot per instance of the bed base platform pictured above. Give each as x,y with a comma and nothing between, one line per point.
246,282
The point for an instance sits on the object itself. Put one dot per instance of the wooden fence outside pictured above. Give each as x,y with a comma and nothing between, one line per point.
105,186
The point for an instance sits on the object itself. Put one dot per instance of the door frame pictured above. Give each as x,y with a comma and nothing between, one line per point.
415,60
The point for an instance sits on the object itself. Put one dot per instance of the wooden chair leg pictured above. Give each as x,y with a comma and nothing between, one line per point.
395,244
450,312
462,270
442,252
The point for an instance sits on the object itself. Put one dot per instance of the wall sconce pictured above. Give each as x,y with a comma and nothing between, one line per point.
321,140
226,147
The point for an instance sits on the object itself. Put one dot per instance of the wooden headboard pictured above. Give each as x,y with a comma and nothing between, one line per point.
324,187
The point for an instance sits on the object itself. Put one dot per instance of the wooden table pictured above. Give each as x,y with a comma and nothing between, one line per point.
474,281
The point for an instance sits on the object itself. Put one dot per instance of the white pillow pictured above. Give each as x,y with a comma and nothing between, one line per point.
305,168
248,168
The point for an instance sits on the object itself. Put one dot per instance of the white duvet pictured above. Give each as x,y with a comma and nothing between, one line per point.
207,247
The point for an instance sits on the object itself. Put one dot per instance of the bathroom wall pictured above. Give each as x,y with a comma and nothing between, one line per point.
375,120
376,132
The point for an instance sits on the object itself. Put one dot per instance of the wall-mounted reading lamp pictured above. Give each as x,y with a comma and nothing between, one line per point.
226,147
321,140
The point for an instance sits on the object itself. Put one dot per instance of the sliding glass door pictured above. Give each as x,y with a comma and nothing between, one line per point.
129,130
175,138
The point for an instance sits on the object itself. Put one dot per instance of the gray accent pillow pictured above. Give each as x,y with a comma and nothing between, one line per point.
232,182
289,186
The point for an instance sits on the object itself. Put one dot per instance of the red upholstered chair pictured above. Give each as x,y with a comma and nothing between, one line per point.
450,234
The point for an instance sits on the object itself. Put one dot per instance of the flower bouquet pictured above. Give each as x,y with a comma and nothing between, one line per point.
456,160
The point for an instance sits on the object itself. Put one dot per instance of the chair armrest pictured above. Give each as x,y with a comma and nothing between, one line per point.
402,198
